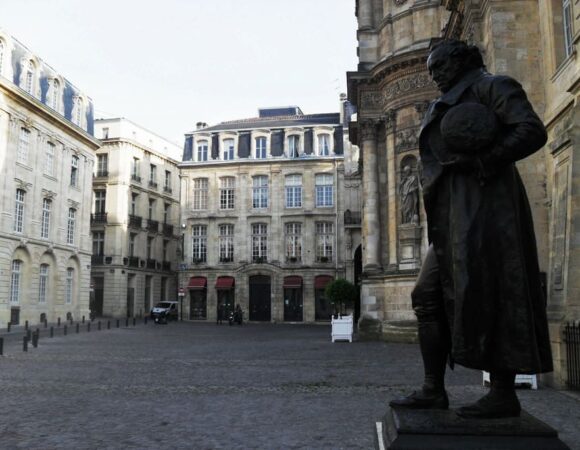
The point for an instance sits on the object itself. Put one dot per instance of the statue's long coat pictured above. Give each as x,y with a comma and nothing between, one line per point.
480,225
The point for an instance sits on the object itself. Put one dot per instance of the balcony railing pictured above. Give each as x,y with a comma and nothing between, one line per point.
136,178
133,261
99,217
167,229
102,173
166,265
151,264
135,221
167,189
198,260
152,184
293,259
153,225
226,259
324,259
352,217
97,260
259,259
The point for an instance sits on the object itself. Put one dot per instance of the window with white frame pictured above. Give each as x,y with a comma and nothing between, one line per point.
19,211
136,170
293,146
153,175
100,202
151,209
293,241
167,185
102,165
15,281
98,243
200,193
226,243
45,220
227,192
134,199
293,188
199,243
324,190
260,191
71,224
261,148
202,150
228,150
69,289
259,242
43,283
567,23
23,146
55,95
74,171
29,78
166,212
49,151
324,241
132,241
323,144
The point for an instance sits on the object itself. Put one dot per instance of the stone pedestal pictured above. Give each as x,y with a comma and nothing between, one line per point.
410,246
405,429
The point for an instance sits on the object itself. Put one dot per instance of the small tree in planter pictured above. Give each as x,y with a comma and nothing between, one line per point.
342,294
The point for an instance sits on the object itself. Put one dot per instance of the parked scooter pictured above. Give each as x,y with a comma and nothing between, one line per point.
236,316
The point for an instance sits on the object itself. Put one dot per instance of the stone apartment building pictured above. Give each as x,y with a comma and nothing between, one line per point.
134,220
535,42
263,207
47,153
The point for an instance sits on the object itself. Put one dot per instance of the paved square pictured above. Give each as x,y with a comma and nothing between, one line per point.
203,386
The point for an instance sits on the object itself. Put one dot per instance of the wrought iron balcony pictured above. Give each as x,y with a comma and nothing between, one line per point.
324,259
152,184
352,217
133,261
153,225
136,178
102,173
227,259
99,217
167,229
167,189
97,260
259,259
166,266
151,264
135,221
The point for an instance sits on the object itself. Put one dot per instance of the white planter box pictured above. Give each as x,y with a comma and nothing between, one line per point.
342,329
532,380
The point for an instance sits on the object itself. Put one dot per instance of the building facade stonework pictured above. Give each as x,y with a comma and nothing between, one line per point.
134,220
536,43
47,153
263,207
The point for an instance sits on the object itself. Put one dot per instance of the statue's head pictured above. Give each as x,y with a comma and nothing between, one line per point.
407,170
449,60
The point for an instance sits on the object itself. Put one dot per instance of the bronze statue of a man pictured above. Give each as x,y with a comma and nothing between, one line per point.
478,299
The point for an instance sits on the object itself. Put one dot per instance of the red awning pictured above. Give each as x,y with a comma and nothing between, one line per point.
321,281
197,283
293,282
225,283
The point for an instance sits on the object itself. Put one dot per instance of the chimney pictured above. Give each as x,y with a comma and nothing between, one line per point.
200,125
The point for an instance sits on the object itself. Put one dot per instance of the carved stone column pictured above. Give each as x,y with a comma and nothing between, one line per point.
390,120
371,219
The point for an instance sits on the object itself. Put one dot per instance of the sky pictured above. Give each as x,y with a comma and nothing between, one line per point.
168,64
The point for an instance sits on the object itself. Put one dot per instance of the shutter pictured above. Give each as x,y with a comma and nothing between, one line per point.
244,145
215,147
308,137
188,149
338,141
277,143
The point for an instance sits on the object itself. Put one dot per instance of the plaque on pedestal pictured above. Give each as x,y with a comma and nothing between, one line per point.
423,429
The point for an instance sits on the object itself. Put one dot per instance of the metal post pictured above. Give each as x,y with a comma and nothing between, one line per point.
65,330
89,327
28,334
25,344
9,326
58,322
78,328
26,325
51,331
127,322
108,324
35,339
117,323
83,319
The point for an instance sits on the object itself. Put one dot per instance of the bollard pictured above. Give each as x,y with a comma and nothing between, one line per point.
89,327
117,323
64,330
134,321
9,326
108,324
99,325
51,331
26,325
83,319
1,346
58,322
24,344
127,322
35,339
28,334
78,328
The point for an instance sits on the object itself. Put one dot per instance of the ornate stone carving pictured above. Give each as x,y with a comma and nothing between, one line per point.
378,100
48,194
421,108
368,129
400,2
390,120
407,139
409,197
21,184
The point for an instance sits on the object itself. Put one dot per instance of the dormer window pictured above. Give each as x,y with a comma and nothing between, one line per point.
323,145
293,146
260,148
29,78
78,111
55,94
228,150
202,151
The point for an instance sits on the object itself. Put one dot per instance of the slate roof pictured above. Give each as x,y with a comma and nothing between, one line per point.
275,122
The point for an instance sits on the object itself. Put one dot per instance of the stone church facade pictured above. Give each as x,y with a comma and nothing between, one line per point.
533,41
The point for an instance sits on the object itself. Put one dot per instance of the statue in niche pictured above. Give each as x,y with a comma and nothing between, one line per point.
409,195
478,298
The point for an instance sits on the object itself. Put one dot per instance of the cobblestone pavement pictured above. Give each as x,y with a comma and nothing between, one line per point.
202,386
